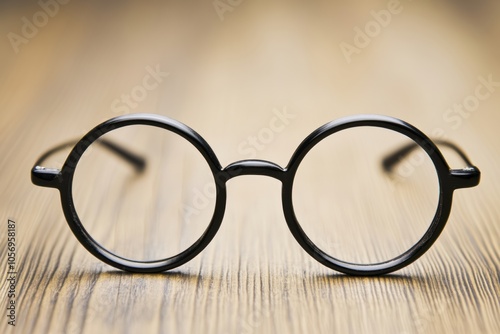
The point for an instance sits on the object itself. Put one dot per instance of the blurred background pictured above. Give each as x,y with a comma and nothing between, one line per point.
231,65
232,70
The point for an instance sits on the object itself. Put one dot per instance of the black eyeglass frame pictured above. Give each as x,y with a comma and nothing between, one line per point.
449,181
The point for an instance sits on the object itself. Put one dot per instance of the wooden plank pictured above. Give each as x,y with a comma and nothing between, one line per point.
231,80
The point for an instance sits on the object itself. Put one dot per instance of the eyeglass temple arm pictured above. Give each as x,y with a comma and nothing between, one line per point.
465,178
43,176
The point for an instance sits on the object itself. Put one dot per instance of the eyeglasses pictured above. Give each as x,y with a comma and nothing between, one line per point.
447,180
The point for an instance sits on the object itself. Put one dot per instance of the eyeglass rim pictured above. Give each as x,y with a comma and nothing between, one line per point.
435,228
94,247
286,175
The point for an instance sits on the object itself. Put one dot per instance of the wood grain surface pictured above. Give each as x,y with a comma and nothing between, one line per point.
274,72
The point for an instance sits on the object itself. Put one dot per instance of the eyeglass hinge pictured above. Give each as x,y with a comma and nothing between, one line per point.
465,178
46,177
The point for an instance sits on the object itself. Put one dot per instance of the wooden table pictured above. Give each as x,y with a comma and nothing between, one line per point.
227,79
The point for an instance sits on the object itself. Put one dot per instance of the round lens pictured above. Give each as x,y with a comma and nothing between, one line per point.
353,209
146,215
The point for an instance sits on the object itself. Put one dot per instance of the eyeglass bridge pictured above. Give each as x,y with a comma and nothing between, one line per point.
254,167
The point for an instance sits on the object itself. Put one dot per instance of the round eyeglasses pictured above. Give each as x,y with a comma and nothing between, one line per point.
317,171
